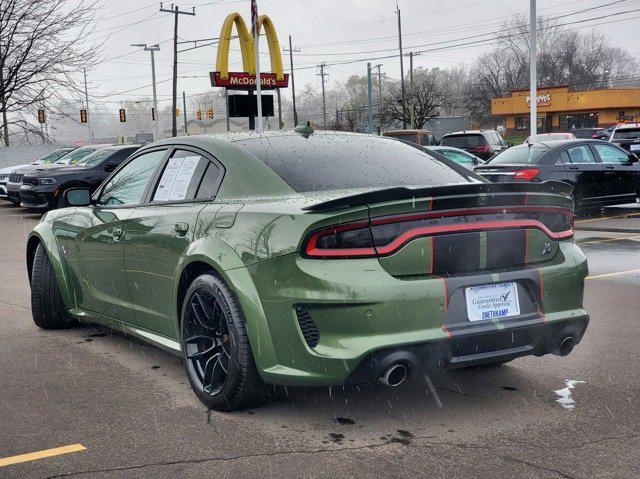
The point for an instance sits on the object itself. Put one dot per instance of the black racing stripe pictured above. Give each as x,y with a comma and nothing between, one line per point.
506,248
456,253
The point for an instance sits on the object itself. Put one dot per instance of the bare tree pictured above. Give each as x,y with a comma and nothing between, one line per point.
43,49
423,100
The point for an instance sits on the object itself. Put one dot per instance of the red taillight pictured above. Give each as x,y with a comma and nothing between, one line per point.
594,136
526,175
480,149
345,241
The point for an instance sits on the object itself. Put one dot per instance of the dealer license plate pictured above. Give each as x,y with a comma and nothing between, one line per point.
492,301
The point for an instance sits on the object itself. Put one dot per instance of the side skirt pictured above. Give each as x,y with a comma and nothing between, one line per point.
158,340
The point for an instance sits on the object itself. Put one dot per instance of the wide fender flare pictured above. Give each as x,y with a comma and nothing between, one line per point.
225,262
43,233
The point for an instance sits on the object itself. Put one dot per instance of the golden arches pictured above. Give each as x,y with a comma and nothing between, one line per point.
246,46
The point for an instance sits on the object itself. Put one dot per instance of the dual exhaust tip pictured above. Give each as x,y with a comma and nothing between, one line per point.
394,375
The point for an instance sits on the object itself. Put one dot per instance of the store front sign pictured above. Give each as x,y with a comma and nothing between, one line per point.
541,100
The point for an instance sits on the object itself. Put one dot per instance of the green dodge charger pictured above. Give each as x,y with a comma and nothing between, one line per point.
312,259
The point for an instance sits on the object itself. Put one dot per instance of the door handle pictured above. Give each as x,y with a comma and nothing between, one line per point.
116,232
574,168
181,228
610,167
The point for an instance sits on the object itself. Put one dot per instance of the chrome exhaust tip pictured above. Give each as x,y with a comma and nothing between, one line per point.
566,346
394,376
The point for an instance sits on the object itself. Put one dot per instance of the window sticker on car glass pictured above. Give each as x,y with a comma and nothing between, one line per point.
183,178
176,178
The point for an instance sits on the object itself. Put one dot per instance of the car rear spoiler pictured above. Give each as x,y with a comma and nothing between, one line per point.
401,193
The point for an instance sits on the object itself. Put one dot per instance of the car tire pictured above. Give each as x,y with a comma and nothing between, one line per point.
211,315
47,308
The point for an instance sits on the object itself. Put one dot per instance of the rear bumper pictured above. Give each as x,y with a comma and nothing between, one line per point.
359,311
473,348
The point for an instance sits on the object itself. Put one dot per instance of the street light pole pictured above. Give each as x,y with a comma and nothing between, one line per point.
86,105
533,91
369,102
152,49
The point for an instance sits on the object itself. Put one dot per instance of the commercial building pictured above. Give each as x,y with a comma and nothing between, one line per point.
560,109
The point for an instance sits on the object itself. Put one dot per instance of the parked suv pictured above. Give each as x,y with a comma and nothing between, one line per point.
14,181
484,144
43,188
419,137
627,136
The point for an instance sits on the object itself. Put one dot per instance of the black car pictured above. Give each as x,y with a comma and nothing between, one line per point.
592,133
482,143
627,137
43,188
601,173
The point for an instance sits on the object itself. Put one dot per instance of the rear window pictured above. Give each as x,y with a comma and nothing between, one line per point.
587,133
464,141
519,155
329,162
626,134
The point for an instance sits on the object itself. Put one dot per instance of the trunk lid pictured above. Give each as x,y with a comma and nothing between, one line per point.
471,228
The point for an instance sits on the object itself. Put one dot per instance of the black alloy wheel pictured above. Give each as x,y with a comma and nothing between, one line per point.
215,346
206,342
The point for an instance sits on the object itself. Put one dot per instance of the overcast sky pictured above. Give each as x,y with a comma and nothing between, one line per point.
324,30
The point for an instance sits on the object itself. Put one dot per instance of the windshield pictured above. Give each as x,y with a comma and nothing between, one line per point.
519,155
323,162
51,157
626,134
464,141
95,158
457,156
76,155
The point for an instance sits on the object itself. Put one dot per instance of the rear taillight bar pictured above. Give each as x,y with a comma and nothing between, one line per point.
356,240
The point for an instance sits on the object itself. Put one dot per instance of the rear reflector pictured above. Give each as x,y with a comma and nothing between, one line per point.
526,175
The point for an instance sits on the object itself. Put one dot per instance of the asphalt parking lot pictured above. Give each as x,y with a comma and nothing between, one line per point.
126,409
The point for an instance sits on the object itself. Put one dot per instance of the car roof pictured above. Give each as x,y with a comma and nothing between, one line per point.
467,132
119,147
415,130
625,126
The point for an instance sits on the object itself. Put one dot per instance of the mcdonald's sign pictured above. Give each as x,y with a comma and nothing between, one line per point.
246,80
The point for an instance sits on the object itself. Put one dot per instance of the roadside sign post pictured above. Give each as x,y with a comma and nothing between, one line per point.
533,90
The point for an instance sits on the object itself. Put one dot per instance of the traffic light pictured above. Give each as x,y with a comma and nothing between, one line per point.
198,114
153,114
83,116
210,113
123,115
41,116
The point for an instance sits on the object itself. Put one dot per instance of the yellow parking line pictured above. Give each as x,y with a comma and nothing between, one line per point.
608,239
33,456
608,218
606,275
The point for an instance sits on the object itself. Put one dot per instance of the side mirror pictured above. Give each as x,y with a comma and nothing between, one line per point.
633,158
77,197
110,166
509,144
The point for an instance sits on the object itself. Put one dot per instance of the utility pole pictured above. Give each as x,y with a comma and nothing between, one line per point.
404,115
369,102
293,83
379,95
226,103
152,49
176,12
533,84
184,111
324,104
338,120
86,105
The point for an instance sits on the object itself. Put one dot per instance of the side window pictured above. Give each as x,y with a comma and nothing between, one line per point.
181,176
578,154
127,185
610,154
210,182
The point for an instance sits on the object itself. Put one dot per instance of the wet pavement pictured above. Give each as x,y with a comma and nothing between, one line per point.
131,407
